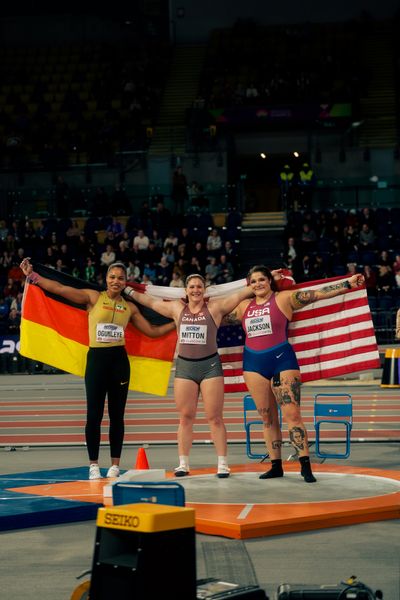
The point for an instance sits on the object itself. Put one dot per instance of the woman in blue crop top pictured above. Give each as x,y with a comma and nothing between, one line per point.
270,367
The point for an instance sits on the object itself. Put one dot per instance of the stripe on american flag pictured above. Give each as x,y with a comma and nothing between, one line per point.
331,337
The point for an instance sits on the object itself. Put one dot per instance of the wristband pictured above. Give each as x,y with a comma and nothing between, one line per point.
128,291
34,278
347,285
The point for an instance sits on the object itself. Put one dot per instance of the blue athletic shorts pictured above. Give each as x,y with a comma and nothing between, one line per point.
270,362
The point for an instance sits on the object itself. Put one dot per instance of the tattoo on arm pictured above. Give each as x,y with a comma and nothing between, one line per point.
231,319
333,287
303,297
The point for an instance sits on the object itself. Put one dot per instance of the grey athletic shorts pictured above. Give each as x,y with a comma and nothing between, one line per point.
198,369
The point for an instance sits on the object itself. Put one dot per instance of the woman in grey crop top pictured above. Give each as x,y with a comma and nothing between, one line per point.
198,366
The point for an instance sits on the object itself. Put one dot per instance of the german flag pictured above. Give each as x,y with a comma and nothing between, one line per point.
55,332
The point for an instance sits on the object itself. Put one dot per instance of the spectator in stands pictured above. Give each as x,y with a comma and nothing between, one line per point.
306,183
141,241
3,230
149,271
169,254
385,281
133,272
320,268
302,269
181,252
163,272
352,268
230,253
155,237
370,280
251,92
184,237
367,237
367,217
152,254
308,238
214,243
76,272
194,194
352,218
90,271
60,266
211,270
350,238
13,322
182,266
384,259
225,270
200,253
123,254
10,290
194,266
115,227
107,257
398,325
176,280
396,269
145,215
290,250
6,260
171,239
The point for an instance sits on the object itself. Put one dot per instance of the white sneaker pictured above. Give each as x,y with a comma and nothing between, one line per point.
94,471
181,471
223,471
113,471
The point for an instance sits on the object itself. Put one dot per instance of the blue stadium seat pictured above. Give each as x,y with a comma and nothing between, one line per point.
330,409
249,406
157,492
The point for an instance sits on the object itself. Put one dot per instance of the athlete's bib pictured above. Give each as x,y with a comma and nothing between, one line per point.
109,332
256,326
192,334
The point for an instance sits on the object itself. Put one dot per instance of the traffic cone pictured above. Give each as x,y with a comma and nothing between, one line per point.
141,460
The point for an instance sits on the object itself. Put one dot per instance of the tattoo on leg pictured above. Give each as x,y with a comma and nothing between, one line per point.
297,437
276,444
289,392
295,388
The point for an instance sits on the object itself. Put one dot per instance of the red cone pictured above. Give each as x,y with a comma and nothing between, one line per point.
141,460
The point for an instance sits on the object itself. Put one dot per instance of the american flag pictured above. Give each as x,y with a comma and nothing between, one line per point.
331,337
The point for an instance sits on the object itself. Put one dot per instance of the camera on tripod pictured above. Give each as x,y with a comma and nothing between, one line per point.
345,590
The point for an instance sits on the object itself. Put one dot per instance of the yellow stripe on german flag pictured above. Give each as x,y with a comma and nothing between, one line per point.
56,333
